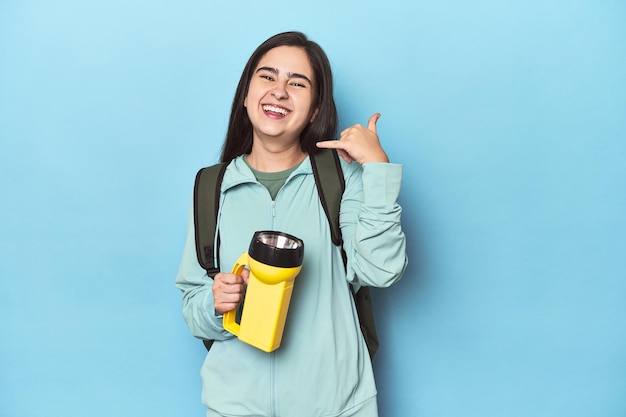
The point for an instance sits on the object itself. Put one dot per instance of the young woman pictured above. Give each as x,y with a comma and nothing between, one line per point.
282,112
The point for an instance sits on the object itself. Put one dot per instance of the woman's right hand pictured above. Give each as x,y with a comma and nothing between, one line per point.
228,290
359,143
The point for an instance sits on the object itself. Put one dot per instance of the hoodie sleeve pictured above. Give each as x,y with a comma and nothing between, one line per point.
196,287
373,239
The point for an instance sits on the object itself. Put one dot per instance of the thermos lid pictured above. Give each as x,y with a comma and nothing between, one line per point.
277,249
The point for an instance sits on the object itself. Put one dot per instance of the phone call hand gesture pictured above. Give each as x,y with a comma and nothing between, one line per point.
359,143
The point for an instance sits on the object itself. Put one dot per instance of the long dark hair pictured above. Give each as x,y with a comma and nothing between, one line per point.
324,127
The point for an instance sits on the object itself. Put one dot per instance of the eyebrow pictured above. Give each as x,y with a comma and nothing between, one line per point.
289,74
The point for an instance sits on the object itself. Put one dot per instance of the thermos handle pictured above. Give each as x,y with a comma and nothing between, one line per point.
230,316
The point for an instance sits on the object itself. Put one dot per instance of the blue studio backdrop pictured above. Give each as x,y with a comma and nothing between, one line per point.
509,119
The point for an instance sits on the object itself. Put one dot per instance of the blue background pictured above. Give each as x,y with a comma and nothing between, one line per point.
509,118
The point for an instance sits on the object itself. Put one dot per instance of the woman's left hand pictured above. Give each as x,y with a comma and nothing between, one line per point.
359,143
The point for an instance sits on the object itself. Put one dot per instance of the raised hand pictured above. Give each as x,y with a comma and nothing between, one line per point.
359,143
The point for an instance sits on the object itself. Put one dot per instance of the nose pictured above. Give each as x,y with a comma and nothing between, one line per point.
279,92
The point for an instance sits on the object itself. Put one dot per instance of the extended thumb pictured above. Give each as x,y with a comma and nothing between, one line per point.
371,123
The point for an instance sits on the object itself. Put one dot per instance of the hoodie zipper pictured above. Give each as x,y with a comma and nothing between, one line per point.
272,354
273,405
272,385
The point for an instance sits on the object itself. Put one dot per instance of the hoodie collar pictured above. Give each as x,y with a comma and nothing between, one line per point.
238,172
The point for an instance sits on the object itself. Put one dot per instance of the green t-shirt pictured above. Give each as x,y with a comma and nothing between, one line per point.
272,180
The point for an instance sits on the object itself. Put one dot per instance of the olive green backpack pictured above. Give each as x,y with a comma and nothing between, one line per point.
330,185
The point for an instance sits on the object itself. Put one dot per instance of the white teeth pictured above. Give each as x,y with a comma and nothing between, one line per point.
276,109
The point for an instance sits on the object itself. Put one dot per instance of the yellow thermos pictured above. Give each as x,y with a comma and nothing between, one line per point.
274,259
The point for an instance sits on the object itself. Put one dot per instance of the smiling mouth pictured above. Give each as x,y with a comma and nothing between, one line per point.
268,108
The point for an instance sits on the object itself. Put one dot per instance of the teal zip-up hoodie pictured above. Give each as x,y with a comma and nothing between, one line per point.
322,367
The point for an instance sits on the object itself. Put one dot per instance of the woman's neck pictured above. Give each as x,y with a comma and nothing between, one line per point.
274,160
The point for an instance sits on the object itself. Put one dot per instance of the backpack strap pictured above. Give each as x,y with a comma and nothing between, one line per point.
365,311
330,187
206,204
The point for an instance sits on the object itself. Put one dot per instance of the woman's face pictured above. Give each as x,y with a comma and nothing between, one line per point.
280,96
